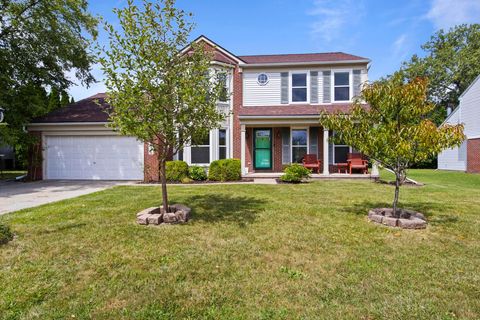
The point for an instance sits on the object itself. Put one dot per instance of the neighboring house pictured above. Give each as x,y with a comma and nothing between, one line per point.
274,110
7,157
467,156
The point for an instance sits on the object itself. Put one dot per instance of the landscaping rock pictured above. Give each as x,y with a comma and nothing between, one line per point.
155,218
376,218
388,221
409,219
169,217
143,219
179,213
150,210
414,223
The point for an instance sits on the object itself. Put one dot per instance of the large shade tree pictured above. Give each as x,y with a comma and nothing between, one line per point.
451,61
42,42
394,129
161,96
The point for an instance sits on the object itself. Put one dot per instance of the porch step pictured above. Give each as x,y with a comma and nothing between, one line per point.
265,181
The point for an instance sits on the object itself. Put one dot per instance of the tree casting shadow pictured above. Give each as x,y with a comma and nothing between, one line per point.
221,208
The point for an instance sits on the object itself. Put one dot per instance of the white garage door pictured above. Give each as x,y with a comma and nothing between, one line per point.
93,158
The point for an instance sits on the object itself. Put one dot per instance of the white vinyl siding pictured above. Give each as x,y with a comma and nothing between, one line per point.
258,95
270,94
454,158
470,111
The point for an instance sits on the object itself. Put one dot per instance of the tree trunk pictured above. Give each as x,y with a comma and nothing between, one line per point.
397,191
163,180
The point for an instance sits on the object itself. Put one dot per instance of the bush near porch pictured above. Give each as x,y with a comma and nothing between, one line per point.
250,252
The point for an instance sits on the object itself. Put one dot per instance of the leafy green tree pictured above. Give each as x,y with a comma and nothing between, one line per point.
72,100
451,62
162,97
395,129
64,99
53,100
40,41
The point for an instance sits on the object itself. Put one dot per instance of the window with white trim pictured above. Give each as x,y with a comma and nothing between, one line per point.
341,86
299,144
222,144
224,94
299,87
341,151
200,153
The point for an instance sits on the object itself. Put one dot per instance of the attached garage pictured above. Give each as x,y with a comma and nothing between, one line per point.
93,158
76,143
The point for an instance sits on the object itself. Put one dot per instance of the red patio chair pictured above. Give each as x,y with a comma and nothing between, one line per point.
310,161
356,162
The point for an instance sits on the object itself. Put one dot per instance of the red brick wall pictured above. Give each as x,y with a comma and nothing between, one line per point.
150,165
237,97
473,155
277,149
35,158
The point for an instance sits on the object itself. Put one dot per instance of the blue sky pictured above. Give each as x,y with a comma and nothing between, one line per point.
387,32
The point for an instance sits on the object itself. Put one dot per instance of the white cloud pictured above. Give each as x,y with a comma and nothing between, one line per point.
447,13
400,48
333,18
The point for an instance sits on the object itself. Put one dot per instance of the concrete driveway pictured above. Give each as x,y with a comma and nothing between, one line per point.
20,195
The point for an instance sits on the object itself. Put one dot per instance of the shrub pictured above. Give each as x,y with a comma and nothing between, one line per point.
197,173
295,173
5,234
225,170
186,180
176,170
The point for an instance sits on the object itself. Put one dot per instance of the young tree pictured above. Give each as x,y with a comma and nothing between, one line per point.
394,129
159,95
451,63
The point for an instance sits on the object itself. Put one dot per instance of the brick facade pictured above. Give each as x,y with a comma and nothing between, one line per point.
150,165
473,155
35,158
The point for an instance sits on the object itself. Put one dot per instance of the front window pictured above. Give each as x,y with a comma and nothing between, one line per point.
340,152
299,87
222,144
222,78
200,153
342,86
299,144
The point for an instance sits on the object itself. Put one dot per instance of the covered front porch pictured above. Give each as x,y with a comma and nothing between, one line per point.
268,145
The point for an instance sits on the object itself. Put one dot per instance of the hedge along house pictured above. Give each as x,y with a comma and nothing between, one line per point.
273,107
467,156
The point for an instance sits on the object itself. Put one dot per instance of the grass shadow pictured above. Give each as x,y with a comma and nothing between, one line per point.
426,208
63,228
224,208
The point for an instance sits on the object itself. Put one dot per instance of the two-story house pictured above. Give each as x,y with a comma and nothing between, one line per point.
273,105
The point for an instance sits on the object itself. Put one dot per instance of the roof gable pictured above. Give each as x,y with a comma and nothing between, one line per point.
221,54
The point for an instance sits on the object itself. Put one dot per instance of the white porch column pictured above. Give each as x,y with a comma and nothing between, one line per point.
242,148
375,168
325,151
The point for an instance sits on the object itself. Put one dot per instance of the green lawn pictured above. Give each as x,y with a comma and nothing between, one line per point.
251,252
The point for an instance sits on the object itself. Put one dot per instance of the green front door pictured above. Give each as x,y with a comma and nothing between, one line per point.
262,145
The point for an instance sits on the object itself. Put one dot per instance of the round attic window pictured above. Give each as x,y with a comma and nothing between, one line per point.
262,79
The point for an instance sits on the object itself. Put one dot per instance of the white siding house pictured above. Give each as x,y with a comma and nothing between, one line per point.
468,113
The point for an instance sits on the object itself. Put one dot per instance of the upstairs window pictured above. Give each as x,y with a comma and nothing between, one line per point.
342,86
223,80
299,87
